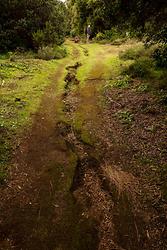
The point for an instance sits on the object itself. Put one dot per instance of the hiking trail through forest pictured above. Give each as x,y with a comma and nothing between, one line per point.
72,185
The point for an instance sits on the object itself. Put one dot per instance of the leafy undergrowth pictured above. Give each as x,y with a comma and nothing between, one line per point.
22,82
49,53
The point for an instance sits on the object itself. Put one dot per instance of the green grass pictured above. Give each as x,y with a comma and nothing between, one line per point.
144,68
88,61
22,84
21,91
23,81
132,53
113,65
105,58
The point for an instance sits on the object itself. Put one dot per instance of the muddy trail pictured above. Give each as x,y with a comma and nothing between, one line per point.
65,191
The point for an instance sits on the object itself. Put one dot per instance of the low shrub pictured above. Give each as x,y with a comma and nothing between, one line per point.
100,36
142,67
161,81
163,99
132,53
111,35
73,33
144,87
108,34
50,53
60,52
126,117
18,55
119,41
160,56
123,82
149,64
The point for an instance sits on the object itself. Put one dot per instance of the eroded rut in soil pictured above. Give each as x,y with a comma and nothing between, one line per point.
108,196
63,195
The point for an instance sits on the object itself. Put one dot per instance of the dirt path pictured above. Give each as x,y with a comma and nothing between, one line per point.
68,189
39,211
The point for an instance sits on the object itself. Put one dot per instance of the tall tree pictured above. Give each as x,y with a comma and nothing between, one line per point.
144,16
22,22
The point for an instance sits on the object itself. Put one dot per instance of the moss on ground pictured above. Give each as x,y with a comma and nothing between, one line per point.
88,61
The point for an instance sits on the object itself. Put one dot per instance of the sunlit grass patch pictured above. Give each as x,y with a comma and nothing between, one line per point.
17,103
132,53
88,61
113,66
22,84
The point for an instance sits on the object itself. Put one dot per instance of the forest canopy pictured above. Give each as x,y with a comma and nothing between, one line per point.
32,23
140,17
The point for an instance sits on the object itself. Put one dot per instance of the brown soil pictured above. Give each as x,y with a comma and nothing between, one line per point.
38,211
82,178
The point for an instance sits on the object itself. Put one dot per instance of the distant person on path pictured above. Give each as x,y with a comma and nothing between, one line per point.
88,31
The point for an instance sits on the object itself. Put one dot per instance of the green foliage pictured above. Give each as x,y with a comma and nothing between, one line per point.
31,24
139,18
160,55
100,36
141,67
73,33
125,116
22,83
46,53
149,64
163,98
123,82
132,53
156,30
38,38
49,53
3,176
110,35
143,87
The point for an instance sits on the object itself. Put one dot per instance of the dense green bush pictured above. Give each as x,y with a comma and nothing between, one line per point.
49,53
73,33
161,82
110,35
123,82
132,53
141,67
148,64
31,24
138,17
160,56
100,36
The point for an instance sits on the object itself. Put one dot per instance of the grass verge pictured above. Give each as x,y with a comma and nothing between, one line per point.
22,84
